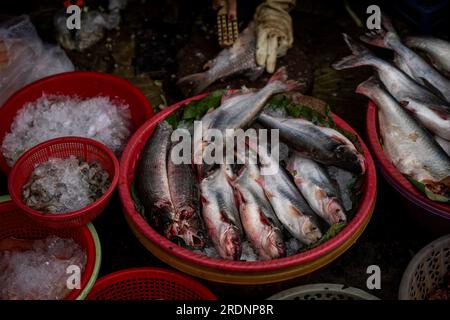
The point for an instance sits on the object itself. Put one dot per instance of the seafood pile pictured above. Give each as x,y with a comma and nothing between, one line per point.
243,210
54,116
240,58
64,185
37,269
413,100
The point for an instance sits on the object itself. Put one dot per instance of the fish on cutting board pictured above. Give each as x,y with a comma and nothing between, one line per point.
240,58
237,112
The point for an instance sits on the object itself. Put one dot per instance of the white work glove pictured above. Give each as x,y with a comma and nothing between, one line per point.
273,32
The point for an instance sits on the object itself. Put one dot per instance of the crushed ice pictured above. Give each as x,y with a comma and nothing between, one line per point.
39,273
64,185
53,116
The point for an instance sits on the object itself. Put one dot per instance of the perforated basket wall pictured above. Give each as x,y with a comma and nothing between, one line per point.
323,291
148,284
87,149
426,270
14,223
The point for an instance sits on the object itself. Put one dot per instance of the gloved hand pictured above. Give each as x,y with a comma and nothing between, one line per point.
273,31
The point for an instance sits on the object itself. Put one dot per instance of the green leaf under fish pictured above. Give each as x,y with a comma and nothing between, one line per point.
332,231
432,196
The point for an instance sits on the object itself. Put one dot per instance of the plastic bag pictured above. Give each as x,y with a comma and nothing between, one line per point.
24,58
93,26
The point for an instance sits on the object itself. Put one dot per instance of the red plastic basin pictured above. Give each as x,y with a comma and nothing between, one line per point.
239,272
62,148
80,83
148,284
435,216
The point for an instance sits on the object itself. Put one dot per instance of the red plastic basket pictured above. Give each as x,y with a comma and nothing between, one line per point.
14,223
393,176
148,284
87,149
82,84
238,271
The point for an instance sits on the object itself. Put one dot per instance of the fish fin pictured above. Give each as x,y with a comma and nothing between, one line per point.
254,73
294,211
208,64
387,23
224,217
358,58
281,75
365,87
442,113
260,181
432,88
197,81
203,200
403,103
375,38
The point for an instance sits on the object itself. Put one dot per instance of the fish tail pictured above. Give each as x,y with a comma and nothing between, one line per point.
384,38
413,42
281,76
375,38
387,23
197,81
360,55
367,87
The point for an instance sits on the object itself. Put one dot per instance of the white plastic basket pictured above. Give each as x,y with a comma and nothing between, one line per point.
426,270
323,291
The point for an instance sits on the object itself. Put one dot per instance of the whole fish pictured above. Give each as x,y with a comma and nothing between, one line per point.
258,219
287,202
315,185
153,182
220,214
186,202
432,111
409,61
321,144
409,146
238,59
437,50
237,112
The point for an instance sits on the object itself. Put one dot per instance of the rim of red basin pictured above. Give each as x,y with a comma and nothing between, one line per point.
128,163
392,175
76,81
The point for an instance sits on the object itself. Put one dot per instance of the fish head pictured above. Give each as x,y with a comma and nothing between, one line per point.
230,244
310,232
335,212
191,235
350,158
273,245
